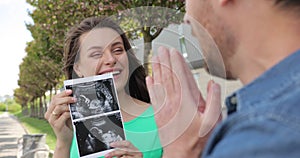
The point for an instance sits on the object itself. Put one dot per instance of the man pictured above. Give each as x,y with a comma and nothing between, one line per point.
259,44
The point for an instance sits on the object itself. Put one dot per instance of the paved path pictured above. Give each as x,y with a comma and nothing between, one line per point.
10,131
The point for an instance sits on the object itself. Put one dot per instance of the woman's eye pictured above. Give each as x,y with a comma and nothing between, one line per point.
96,54
118,50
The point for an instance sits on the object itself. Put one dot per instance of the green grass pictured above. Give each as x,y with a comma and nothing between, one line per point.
36,126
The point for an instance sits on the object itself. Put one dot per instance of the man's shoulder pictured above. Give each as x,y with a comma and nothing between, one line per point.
255,135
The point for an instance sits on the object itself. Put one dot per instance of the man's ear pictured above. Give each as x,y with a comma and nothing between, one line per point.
77,70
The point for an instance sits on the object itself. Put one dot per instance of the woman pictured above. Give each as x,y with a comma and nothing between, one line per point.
103,47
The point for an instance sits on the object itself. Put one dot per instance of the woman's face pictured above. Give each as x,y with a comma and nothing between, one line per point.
102,51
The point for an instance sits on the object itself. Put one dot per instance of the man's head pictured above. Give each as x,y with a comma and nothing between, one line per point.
238,27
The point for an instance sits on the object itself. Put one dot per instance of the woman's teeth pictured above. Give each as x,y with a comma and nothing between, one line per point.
116,72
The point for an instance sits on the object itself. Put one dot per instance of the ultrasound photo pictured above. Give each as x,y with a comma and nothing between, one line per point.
93,98
95,134
96,116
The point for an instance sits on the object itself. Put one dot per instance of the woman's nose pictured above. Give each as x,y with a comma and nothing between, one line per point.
109,58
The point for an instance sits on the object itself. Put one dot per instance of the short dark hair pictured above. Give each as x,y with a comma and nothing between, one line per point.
288,4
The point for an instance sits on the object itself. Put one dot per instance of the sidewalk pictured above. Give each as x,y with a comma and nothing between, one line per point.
10,131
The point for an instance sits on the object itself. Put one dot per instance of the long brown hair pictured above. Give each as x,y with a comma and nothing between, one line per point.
135,86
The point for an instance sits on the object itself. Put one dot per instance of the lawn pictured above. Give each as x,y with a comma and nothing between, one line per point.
36,126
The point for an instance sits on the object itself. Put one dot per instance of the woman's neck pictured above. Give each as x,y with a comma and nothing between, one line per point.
124,99
130,107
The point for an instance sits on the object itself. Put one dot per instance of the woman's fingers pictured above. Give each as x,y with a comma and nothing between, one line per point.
115,153
124,149
58,122
58,106
59,99
62,127
58,114
123,144
58,111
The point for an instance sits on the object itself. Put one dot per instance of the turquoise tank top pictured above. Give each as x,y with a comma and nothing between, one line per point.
141,132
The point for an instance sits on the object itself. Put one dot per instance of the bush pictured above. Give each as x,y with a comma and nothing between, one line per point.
2,107
13,108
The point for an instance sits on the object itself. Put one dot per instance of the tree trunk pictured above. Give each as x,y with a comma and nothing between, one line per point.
26,112
147,51
45,103
32,109
148,38
50,94
41,109
23,110
35,108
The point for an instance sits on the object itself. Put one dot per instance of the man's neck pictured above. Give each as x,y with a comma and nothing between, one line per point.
271,43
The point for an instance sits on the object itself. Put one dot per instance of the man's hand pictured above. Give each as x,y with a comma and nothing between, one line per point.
183,117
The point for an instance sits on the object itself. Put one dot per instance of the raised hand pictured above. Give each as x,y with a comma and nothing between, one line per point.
183,117
58,116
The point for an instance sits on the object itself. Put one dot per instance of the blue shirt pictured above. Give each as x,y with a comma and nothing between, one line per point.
263,117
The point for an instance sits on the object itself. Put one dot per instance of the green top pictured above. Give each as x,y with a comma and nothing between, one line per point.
141,132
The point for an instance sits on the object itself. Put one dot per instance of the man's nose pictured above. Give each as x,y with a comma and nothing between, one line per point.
186,19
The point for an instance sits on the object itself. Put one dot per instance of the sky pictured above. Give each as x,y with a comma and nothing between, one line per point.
13,39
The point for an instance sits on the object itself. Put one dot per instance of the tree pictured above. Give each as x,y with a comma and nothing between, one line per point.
41,70
139,18
145,18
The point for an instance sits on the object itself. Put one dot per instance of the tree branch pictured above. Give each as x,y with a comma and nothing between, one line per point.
159,30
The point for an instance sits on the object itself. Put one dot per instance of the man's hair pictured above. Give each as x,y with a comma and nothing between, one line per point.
288,4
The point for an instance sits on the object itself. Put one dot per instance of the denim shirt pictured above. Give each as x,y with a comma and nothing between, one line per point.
263,117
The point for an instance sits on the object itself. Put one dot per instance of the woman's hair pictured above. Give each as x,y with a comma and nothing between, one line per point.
135,86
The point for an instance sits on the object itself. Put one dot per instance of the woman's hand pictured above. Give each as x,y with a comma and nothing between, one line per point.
58,116
124,149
